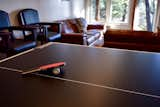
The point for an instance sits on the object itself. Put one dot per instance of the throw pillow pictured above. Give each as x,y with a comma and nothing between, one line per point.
81,25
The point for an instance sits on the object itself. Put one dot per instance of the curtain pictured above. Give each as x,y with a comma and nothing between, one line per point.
157,24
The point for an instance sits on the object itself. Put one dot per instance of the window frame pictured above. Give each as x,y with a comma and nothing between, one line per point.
130,19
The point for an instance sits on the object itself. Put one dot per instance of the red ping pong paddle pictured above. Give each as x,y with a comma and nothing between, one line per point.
54,65
45,67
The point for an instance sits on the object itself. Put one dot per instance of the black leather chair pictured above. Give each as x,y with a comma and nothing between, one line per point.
31,17
8,42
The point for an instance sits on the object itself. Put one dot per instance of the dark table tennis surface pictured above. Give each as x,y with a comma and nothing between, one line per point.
92,77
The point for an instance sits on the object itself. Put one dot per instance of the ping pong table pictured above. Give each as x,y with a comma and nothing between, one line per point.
93,77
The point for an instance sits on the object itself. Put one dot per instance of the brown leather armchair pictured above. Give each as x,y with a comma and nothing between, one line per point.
77,31
8,42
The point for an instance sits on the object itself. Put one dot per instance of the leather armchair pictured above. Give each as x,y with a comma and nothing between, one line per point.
9,44
77,31
30,17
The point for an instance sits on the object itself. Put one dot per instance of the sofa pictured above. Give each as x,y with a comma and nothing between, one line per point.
77,31
132,40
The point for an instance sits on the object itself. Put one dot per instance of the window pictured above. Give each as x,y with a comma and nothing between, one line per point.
98,10
119,11
145,14
124,14
112,12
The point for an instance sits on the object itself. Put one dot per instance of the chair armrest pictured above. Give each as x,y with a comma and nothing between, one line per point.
49,23
95,26
32,29
23,28
52,26
73,34
4,28
5,34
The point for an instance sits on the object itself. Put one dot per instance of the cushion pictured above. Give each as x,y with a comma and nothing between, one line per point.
4,17
81,25
66,27
30,16
73,24
18,47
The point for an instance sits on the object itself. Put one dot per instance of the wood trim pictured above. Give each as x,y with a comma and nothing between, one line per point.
97,17
133,14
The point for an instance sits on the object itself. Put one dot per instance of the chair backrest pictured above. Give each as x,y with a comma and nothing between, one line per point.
28,16
4,19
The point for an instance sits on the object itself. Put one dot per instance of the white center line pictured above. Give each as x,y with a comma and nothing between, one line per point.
101,86
11,69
